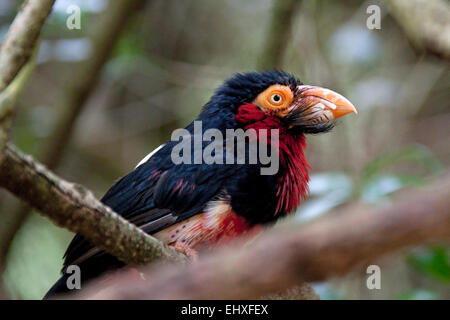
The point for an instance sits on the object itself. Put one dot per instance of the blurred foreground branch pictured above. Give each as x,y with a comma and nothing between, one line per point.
74,207
328,247
426,23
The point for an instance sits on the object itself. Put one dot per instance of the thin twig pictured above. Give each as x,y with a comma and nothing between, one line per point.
21,38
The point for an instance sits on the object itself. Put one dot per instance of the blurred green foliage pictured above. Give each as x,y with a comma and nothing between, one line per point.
35,259
433,261
419,294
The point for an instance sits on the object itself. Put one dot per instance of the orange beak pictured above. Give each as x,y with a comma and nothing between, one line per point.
322,105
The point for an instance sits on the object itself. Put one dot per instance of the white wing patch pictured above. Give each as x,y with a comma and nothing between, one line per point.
150,155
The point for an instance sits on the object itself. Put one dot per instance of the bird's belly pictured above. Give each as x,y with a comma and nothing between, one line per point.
217,225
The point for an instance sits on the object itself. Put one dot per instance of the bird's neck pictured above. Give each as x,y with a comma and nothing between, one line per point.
293,176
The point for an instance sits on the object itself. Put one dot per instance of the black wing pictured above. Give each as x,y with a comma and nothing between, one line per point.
156,195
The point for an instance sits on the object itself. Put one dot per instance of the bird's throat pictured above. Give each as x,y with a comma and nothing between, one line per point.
293,176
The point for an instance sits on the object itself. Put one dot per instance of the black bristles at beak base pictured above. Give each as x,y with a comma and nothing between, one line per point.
297,125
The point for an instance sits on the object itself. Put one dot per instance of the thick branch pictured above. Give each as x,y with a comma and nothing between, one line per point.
426,23
21,38
74,207
326,248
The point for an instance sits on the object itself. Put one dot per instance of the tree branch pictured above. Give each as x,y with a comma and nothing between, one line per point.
14,53
74,207
9,96
426,23
21,38
328,247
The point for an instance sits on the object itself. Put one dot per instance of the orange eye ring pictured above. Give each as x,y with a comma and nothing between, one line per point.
277,97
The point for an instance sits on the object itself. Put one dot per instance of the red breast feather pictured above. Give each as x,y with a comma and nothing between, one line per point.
217,225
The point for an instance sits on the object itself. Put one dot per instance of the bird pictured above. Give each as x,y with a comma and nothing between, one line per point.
195,206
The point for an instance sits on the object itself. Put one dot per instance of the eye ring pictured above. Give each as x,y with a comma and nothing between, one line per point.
276,98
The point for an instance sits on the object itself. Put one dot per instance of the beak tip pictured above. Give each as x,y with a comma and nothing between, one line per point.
348,106
343,110
337,104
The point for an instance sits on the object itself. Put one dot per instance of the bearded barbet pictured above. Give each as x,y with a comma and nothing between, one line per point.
197,206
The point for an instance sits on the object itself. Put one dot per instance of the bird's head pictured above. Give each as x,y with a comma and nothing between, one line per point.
277,100
285,99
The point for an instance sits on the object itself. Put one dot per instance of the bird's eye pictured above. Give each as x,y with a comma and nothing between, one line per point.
276,98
